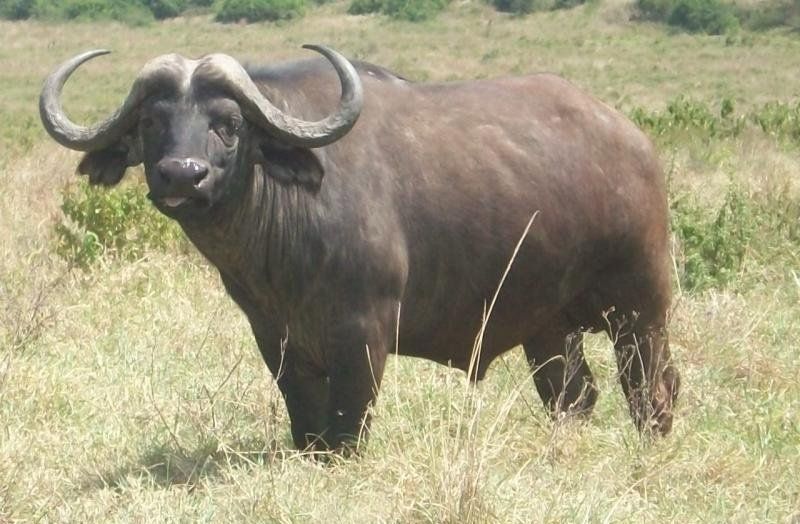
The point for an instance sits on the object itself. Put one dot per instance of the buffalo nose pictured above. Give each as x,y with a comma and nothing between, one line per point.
182,173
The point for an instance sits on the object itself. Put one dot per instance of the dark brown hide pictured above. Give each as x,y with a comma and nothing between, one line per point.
414,215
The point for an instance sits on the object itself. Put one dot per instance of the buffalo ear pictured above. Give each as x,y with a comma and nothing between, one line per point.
107,166
292,165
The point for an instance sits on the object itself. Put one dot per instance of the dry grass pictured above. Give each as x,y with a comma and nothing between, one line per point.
134,393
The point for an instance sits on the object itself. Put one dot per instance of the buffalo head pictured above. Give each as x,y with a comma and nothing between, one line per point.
196,125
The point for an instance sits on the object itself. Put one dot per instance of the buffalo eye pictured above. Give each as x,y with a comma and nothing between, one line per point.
149,124
228,128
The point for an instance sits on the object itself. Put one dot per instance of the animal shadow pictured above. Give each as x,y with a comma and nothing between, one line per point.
168,464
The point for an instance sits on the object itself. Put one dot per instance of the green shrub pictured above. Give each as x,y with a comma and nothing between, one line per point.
764,16
414,10
702,16
656,10
712,249
567,4
17,9
116,223
135,12
685,118
364,7
410,10
524,7
258,10
779,120
517,7
162,9
779,212
748,230
120,10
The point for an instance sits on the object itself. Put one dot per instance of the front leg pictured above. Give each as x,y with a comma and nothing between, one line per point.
305,390
304,386
328,397
355,377
330,410
329,406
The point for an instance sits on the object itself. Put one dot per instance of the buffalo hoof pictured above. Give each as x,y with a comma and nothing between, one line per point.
655,417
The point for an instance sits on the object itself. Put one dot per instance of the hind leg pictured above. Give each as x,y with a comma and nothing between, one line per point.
560,372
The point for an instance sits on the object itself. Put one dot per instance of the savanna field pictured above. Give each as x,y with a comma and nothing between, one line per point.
131,389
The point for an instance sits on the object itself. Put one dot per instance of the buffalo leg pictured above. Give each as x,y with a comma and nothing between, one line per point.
305,391
304,387
329,408
360,344
354,382
649,382
307,402
560,372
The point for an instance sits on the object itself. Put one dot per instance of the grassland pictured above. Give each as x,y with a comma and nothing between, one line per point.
133,392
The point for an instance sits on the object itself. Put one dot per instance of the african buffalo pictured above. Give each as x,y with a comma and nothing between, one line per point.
345,220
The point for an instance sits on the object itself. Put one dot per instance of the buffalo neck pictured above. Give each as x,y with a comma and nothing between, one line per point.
263,238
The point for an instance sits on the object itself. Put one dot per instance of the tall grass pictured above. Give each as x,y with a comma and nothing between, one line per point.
133,391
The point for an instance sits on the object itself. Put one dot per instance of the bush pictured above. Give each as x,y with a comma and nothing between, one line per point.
364,7
759,230
703,16
410,10
414,10
135,12
779,120
686,119
685,116
258,10
764,16
517,7
655,10
706,16
567,4
712,250
162,9
117,223
17,9
524,7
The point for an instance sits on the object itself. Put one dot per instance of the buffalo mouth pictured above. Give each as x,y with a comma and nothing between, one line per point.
176,203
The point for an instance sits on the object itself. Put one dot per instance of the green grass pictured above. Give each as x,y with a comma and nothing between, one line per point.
134,392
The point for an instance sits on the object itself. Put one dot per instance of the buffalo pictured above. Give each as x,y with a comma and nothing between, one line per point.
354,217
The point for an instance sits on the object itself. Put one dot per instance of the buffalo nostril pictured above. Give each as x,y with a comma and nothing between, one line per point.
183,172
200,174
194,170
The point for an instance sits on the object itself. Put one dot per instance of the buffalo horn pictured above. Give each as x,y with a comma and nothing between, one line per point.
222,69
285,127
105,133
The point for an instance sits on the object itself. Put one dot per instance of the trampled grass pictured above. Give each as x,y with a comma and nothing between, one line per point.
134,392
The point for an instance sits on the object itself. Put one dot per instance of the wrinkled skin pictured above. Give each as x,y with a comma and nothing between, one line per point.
413,216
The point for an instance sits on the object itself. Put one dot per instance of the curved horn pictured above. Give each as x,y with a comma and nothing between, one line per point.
104,133
287,128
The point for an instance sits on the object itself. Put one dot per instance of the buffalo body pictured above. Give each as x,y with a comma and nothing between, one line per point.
391,228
